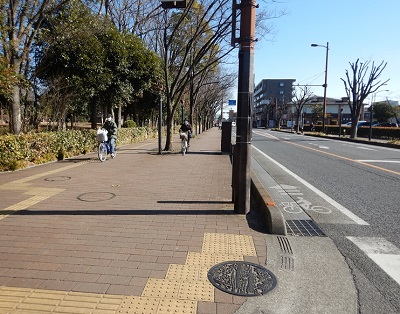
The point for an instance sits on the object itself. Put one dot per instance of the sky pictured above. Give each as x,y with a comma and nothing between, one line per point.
355,29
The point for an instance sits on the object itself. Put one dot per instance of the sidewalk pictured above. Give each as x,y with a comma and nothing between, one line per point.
138,234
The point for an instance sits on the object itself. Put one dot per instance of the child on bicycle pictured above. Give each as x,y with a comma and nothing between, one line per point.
112,130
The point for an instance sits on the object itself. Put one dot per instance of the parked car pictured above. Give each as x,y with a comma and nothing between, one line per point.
360,123
386,124
363,123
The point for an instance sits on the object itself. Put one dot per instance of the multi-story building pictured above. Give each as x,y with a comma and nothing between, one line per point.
271,97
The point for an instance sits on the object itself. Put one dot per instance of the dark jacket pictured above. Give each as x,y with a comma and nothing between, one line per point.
186,127
112,129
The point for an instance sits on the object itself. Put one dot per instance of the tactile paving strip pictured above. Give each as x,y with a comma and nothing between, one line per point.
210,259
39,194
183,286
22,300
187,272
139,305
231,244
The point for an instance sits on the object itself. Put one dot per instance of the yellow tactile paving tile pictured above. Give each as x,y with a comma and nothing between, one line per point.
187,272
181,290
177,306
18,300
210,259
196,291
231,244
161,288
145,305
39,194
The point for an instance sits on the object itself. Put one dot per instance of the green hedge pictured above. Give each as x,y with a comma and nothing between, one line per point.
377,132
21,151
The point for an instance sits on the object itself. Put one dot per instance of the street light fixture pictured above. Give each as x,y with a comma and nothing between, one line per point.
325,84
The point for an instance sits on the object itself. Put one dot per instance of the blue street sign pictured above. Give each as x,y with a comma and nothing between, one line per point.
232,102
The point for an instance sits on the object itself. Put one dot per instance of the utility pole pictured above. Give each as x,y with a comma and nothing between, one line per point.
242,153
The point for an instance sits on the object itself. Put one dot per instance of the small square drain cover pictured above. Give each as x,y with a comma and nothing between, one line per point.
242,278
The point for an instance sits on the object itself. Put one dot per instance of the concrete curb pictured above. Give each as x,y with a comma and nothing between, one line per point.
270,215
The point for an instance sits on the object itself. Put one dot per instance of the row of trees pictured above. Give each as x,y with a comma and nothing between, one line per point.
84,57
363,80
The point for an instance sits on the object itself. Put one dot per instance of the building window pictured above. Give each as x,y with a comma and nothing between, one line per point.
281,84
281,92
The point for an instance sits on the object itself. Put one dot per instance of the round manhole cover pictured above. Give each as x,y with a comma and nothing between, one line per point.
242,278
95,196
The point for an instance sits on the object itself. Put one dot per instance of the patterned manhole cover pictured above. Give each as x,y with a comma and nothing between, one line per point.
95,196
242,278
60,178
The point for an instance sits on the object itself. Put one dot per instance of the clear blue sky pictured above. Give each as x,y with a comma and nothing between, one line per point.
355,29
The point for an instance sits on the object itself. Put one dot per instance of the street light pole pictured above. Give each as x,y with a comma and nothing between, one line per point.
371,112
242,152
325,84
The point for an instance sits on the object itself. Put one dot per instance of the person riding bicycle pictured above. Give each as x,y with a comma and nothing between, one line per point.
186,127
112,130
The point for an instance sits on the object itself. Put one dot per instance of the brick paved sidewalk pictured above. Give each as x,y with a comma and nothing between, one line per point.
136,234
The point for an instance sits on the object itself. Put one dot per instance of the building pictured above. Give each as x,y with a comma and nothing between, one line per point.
271,97
337,111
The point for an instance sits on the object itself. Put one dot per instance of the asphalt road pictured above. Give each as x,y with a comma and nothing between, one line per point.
351,191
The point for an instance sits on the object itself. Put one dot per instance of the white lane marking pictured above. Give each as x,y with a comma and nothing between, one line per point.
385,254
381,161
323,147
266,135
335,204
365,148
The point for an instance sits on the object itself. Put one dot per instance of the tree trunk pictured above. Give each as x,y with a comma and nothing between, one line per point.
15,121
119,116
168,124
93,115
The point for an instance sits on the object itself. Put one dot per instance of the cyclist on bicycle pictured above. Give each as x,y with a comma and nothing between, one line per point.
112,130
186,127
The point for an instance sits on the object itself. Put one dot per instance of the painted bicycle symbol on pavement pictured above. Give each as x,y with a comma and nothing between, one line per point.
299,203
302,204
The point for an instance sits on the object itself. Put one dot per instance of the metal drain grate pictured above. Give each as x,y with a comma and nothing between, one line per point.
305,228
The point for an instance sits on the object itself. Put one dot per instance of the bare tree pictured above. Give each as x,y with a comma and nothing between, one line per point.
359,84
301,97
20,21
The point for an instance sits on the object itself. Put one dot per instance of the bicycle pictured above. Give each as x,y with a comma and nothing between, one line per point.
104,146
184,142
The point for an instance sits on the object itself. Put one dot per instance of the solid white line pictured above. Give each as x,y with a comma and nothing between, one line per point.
335,204
385,254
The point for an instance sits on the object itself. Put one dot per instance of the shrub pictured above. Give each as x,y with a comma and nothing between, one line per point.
20,151
129,124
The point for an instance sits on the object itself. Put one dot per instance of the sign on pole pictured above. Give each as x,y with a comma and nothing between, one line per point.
171,4
232,102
